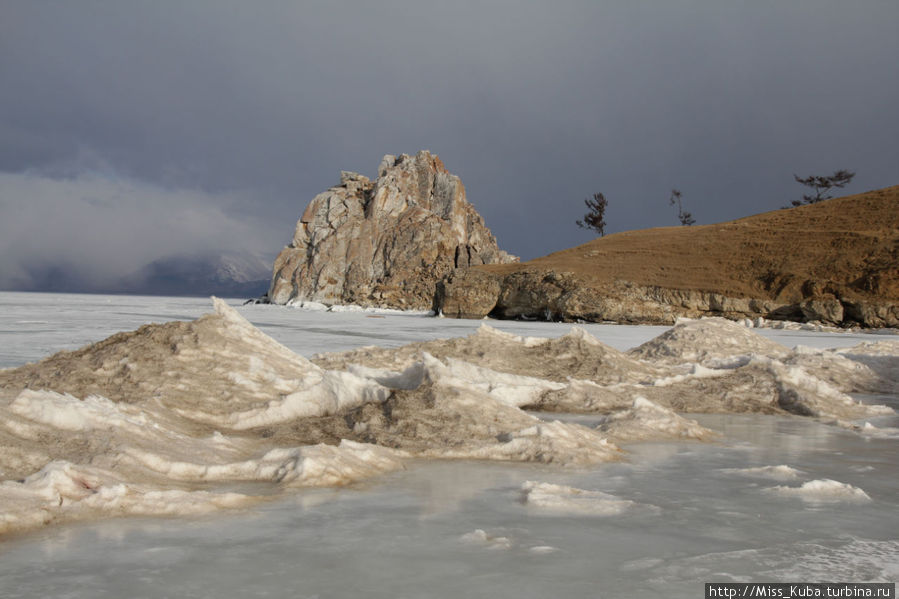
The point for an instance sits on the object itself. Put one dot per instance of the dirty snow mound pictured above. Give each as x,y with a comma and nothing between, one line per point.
706,339
574,355
647,420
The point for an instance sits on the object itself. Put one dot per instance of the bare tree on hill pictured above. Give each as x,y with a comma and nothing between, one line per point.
685,218
822,185
595,217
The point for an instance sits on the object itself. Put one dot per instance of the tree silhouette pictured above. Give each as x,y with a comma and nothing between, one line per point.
822,185
595,217
685,218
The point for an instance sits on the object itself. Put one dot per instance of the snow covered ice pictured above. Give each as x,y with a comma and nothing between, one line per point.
412,448
823,490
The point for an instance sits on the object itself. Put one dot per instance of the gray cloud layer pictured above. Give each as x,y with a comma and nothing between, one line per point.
94,230
250,109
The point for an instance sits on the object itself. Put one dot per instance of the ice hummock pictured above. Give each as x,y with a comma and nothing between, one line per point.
165,419
647,420
779,472
706,339
160,413
563,500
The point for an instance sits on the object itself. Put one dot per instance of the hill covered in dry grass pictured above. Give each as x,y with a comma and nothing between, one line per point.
836,261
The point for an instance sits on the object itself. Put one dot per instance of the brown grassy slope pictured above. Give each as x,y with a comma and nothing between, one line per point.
848,246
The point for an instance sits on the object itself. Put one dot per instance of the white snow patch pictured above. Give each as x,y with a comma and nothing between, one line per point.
480,537
64,491
66,412
307,305
543,549
803,393
562,500
322,393
410,378
373,310
881,432
313,465
823,491
509,389
696,371
781,472
311,306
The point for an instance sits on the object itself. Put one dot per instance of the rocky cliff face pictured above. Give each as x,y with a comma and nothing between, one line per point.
384,242
566,296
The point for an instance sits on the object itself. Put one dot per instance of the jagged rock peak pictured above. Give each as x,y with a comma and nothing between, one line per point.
384,242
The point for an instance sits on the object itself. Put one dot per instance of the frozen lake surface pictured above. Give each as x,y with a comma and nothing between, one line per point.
750,507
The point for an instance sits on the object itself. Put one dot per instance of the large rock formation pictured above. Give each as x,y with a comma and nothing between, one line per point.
385,242
835,262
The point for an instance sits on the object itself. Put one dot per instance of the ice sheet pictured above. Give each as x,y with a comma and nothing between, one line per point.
400,533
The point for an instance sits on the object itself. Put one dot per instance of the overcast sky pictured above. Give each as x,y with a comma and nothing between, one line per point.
132,130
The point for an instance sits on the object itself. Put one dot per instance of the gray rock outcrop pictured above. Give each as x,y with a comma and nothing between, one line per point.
467,293
385,242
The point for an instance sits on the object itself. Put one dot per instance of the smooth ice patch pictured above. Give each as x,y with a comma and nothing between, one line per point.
858,560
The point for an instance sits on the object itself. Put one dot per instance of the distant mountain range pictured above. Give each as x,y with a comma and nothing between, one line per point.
221,274
227,275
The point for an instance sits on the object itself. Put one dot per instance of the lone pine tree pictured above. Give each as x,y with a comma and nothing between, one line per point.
822,185
595,217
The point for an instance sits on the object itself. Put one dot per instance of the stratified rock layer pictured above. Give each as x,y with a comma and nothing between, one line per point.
385,242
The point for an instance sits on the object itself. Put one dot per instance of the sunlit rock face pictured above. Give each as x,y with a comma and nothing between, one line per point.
384,242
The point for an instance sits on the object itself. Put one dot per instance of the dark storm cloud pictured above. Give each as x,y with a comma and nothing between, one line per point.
257,106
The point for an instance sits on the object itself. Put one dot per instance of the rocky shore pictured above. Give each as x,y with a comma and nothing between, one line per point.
835,262
567,297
